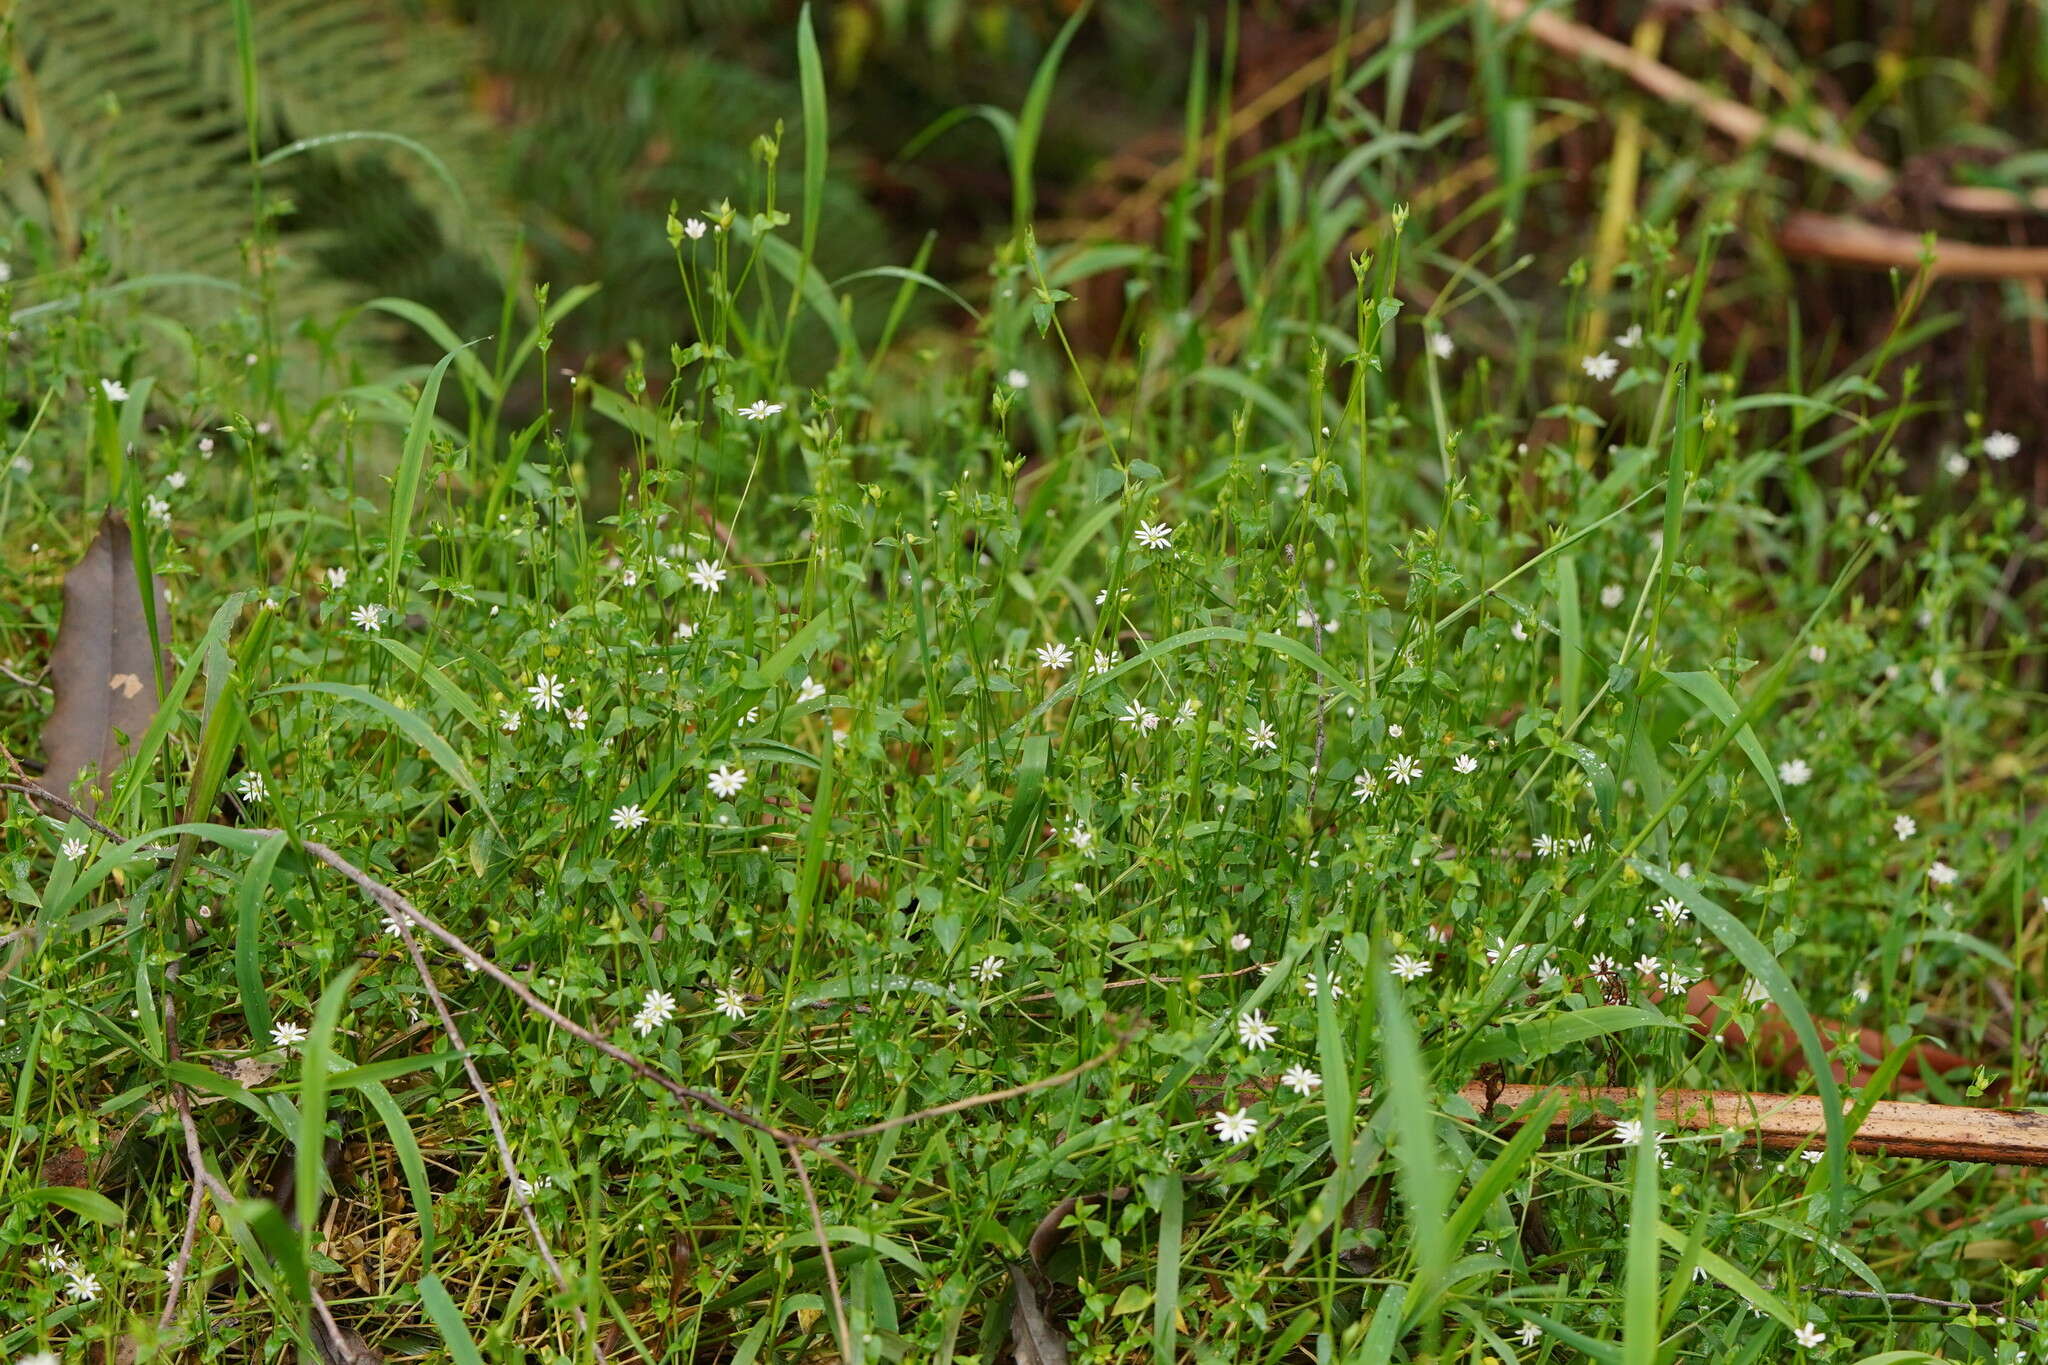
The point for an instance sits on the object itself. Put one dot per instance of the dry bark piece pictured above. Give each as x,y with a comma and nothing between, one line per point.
102,671
1034,1338
1942,1132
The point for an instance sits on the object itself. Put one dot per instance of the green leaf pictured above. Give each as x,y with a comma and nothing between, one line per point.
447,1319
87,1204
407,723
249,936
405,485
1765,967
1707,689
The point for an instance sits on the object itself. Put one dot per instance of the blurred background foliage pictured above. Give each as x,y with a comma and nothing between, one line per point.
521,141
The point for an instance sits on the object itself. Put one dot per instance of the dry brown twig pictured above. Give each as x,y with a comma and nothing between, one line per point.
1746,125
1851,241
1942,1132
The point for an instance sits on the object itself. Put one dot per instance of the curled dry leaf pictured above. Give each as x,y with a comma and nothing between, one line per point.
1035,1339
102,671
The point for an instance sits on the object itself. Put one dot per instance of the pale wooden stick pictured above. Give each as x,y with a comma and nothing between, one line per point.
1743,123
1851,241
1941,1132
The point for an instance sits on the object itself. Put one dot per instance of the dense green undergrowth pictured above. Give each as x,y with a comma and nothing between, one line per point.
1282,718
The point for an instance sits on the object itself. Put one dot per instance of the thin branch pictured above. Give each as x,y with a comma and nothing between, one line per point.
1943,1132
183,1261
1850,241
1740,122
1899,1297
497,1124
992,1097
803,1175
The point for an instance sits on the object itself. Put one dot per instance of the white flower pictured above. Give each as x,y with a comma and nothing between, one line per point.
1672,910
693,228
1602,367
1956,463
628,817
1254,1032
56,1260
1261,736
1311,987
1905,826
337,579
1409,968
1602,965
1632,338
707,575
1647,965
74,849
1080,836
656,1009
1809,1336
157,510
2001,445
577,717
1154,536
686,630
1365,786
38,1358
1465,763
1817,653
1515,629
1240,943
1396,731
1755,992
1440,345
1611,595
252,787
1794,772
1672,981
1941,874
1812,1156
1403,770
1629,1132
1054,655
1235,1127
987,970
1136,715
729,1002
726,781
810,689
1301,1080
1017,379
288,1034
1189,708
115,390
176,479
760,408
508,721
1103,663
83,1287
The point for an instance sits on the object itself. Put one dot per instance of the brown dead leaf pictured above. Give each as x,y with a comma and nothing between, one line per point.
1034,1338
105,680
67,1166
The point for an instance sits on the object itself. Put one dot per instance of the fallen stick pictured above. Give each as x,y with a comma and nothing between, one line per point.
1850,241
1941,1132
1743,123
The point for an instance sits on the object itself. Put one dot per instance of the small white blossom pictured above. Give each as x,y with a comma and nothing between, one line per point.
1403,770
508,721
1440,345
1409,968
1154,536
760,408
1365,786
337,579
693,228
628,817
252,788
83,1287
1312,988
656,1009
115,390
74,849
729,1002
707,575
1794,772
1054,655
1602,367
1235,1127
987,970
810,689
1672,910
1629,1132
1254,1032
1240,943
1905,826
1301,1080
2001,445
1630,339
288,1035
1465,763
726,781
1136,716
1941,874
1809,1336
577,717
1612,595
1261,736
1017,379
